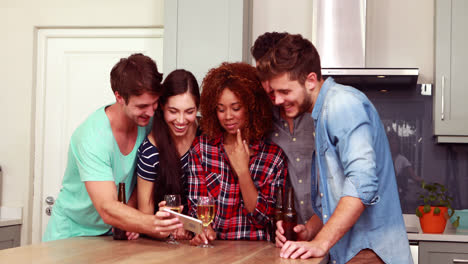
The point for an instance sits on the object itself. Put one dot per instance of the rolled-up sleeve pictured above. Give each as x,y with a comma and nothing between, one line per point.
275,173
350,127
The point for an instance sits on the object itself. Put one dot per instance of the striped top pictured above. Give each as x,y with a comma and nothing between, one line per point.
148,161
148,165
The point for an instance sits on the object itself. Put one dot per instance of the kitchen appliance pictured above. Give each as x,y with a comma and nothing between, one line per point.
340,38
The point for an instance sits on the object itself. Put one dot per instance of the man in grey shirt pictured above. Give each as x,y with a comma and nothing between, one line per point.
293,136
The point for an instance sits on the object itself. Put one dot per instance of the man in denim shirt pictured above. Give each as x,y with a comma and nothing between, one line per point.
354,190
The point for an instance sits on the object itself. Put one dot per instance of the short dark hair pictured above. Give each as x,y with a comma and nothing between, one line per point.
294,55
241,79
265,42
135,75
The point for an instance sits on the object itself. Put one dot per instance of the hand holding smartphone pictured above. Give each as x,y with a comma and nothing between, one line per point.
190,223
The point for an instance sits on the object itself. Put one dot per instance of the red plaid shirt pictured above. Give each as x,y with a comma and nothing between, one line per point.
210,174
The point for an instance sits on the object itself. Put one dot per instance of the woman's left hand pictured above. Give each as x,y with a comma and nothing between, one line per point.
239,156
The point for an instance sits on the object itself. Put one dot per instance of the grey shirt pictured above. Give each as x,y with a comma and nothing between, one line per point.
299,147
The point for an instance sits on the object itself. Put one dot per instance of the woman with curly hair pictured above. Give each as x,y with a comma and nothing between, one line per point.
232,161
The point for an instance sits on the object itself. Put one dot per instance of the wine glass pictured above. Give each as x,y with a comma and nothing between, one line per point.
173,203
205,212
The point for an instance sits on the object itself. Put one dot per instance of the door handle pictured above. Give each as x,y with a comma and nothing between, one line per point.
49,200
442,114
460,260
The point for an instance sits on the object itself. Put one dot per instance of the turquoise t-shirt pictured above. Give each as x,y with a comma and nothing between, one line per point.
93,155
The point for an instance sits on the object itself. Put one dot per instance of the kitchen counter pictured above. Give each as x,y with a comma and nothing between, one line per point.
448,236
10,221
415,233
10,216
104,249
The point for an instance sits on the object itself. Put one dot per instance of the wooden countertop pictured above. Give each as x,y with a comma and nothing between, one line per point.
106,250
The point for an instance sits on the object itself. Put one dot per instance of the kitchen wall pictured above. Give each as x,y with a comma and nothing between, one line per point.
408,118
19,20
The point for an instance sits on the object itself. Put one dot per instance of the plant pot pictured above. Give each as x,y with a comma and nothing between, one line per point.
431,223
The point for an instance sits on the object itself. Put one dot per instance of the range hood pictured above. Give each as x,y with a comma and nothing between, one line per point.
340,38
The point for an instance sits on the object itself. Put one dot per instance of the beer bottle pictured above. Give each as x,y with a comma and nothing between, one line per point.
290,217
278,212
120,234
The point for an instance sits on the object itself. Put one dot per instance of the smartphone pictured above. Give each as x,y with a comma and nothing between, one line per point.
190,223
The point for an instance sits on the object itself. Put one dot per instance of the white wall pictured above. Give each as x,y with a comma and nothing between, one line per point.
279,15
400,33
18,22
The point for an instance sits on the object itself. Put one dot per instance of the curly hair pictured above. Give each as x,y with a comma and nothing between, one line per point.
242,80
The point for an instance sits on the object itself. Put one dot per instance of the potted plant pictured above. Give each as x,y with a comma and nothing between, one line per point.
437,208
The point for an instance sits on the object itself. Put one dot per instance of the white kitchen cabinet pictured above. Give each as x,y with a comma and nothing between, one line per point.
451,61
201,34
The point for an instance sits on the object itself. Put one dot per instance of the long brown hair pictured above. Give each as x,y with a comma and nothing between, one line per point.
170,170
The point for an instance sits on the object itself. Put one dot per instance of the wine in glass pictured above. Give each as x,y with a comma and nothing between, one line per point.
205,212
173,203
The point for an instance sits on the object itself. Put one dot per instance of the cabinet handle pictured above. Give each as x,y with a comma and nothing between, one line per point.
442,115
460,260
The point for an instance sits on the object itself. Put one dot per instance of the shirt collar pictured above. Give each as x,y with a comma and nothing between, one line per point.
329,82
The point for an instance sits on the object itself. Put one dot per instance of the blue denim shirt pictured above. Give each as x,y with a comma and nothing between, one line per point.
354,159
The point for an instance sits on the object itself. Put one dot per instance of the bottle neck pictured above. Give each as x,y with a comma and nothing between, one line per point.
121,194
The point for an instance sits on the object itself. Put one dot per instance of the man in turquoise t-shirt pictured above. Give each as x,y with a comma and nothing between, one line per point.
102,153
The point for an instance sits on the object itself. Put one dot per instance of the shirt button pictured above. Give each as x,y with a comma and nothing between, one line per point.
313,133
302,202
321,194
324,216
276,134
285,124
334,261
294,139
305,222
300,181
298,159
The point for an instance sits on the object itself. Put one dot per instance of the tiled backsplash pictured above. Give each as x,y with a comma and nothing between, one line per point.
407,117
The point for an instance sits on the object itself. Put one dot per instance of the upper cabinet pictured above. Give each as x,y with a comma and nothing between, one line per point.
451,71
199,35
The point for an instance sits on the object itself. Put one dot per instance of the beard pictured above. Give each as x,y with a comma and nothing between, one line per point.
306,105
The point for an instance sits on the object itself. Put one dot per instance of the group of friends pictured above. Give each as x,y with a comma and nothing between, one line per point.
261,128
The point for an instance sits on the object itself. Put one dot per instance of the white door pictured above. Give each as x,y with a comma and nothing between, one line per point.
73,80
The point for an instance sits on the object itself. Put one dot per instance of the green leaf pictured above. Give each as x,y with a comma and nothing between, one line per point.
418,213
427,208
437,211
456,223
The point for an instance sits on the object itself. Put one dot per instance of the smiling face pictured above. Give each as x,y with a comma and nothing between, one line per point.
180,112
293,98
231,113
139,108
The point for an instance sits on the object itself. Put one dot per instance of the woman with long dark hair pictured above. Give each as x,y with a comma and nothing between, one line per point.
163,155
